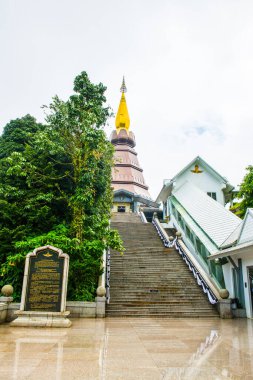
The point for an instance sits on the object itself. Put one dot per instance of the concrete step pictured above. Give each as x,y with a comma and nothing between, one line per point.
149,279
159,307
162,314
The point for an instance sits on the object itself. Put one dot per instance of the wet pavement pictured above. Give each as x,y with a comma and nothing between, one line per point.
131,348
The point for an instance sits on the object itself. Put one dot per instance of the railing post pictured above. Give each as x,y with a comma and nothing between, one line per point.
101,289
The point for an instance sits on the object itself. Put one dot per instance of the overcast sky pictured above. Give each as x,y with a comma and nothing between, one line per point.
188,66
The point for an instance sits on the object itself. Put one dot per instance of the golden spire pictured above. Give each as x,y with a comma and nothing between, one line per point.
122,119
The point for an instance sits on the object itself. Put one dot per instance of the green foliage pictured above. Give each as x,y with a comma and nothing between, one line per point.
17,133
246,193
55,188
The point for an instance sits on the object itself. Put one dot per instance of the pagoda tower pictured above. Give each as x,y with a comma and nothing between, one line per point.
130,189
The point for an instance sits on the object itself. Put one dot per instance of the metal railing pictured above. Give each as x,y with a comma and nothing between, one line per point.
108,273
143,217
201,281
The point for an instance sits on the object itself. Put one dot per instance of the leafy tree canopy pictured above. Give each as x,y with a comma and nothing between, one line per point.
246,193
17,134
55,188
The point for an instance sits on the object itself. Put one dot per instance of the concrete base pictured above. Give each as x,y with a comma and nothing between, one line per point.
77,309
100,307
7,300
239,313
81,309
41,319
3,312
12,308
224,307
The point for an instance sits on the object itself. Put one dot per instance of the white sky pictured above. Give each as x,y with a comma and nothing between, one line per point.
188,66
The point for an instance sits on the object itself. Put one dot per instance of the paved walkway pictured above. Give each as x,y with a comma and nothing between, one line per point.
114,349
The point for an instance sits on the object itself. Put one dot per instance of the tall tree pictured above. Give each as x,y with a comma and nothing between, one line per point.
14,190
65,170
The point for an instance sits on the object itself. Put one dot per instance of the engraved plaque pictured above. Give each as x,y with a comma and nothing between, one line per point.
44,281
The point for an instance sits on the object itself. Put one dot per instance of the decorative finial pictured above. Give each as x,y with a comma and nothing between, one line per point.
123,86
197,170
122,120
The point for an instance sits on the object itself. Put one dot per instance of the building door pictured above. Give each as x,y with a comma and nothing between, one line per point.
121,208
250,269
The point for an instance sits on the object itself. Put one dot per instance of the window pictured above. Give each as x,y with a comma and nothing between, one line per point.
201,249
212,195
189,234
180,220
217,272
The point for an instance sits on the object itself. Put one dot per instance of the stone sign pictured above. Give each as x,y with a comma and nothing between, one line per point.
43,301
45,281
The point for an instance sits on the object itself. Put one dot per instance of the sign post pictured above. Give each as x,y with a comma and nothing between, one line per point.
43,301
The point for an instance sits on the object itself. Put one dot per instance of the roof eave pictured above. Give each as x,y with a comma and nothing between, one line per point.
165,192
205,164
239,249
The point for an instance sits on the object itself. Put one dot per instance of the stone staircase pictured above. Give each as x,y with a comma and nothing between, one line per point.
150,280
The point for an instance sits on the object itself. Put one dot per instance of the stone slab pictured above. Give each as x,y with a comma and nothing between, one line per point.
6,299
77,309
225,310
44,291
3,312
41,319
12,307
81,309
45,280
100,307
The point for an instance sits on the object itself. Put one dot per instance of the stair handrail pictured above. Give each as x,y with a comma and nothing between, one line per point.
168,243
143,217
107,277
201,277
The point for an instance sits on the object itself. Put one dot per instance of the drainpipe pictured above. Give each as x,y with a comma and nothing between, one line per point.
238,269
164,210
241,284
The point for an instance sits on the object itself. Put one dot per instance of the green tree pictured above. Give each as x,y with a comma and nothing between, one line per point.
17,133
64,173
245,193
15,194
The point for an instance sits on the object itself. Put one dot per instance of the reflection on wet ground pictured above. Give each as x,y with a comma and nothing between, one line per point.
115,348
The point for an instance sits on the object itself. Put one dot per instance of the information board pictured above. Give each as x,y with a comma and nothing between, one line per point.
45,282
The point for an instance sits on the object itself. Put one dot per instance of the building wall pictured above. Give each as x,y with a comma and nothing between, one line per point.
247,262
204,181
228,276
116,204
227,269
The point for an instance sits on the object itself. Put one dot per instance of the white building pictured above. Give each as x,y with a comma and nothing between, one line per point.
194,203
238,271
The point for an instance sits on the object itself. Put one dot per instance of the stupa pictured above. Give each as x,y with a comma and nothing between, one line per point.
130,189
